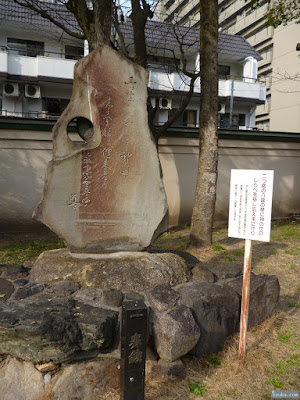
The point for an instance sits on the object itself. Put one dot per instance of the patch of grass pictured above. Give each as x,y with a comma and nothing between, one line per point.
293,304
294,251
213,360
293,266
237,252
17,253
285,230
275,382
282,266
218,247
198,389
274,250
298,287
284,337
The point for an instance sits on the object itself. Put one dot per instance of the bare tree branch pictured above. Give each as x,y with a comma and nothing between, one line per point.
33,6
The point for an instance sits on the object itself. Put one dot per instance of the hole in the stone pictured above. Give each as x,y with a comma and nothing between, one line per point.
80,129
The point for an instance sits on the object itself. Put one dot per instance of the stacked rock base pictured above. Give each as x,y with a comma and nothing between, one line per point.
60,319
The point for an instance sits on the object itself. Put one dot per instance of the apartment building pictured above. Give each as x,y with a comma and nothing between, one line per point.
37,61
279,68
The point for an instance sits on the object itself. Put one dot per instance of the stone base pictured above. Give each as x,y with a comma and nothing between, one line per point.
123,271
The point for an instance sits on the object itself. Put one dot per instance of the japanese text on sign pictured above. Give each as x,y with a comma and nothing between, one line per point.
250,204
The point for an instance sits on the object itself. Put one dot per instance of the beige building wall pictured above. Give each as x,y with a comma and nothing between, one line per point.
285,101
280,62
25,154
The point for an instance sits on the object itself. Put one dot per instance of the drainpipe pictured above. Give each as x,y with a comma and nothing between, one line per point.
231,103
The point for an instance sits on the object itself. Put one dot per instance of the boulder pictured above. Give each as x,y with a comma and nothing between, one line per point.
264,296
122,271
6,289
227,270
216,310
112,297
87,380
43,329
202,273
27,290
162,297
175,333
19,380
63,288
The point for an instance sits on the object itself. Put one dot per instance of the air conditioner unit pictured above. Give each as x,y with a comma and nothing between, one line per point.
32,91
165,104
11,89
221,108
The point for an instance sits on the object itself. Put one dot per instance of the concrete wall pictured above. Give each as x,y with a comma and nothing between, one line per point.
179,158
24,154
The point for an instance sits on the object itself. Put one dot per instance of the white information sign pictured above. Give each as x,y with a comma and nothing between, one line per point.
250,205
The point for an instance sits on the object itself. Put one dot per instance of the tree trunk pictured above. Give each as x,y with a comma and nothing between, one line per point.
205,197
139,17
103,10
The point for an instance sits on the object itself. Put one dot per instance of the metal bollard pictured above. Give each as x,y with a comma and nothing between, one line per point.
133,349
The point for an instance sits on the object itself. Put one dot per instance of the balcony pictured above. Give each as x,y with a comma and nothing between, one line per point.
52,65
245,88
242,88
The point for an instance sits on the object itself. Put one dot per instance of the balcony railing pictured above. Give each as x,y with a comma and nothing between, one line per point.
51,64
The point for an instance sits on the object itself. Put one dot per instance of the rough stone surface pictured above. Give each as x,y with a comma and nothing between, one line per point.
91,296
200,272
28,290
19,380
43,329
264,296
175,333
106,193
6,289
13,271
63,288
122,271
162,297
112,297
215,309
227,271
135,296
163,371
21,282
87,381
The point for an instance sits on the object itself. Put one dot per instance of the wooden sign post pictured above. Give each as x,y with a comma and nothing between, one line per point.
250,210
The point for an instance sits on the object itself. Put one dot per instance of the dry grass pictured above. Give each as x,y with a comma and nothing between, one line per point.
273,348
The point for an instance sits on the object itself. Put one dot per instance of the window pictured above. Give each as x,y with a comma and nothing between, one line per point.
189,118
224,71
73,52
237,120
165,64
27,48
54,106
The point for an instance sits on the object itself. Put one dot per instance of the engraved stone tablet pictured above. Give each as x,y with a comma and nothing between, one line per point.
105,193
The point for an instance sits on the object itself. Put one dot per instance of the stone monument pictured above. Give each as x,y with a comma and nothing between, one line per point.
104,192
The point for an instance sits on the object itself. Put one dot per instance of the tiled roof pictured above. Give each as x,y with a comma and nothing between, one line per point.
158,34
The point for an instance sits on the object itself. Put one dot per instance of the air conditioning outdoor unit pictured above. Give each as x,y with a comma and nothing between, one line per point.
165,104
32,91
11,89
221,108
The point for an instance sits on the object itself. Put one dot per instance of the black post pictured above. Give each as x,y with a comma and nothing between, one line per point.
133,349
